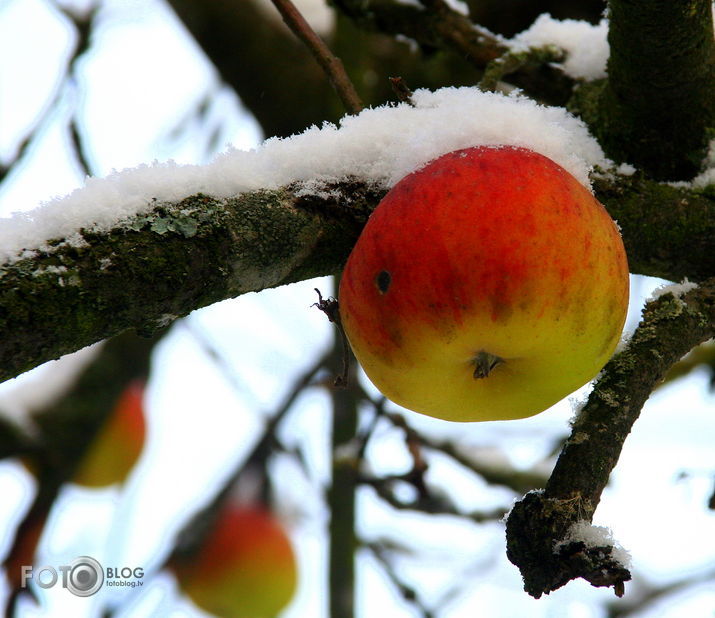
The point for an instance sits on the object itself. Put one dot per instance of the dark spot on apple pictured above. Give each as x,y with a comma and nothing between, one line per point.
501,309
383,281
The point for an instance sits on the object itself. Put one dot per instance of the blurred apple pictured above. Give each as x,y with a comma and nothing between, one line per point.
115,449
245,567
489,284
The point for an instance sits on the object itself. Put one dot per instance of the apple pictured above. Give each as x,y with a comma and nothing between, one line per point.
118,444
487,285
245,567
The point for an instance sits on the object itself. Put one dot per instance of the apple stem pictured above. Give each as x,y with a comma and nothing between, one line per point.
484,362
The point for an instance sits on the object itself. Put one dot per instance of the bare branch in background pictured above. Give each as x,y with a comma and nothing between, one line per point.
330,63
83,25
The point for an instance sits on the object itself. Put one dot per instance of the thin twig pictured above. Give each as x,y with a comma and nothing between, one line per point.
401,90
408,592
647,596
84,29
201,338
79,147
434,503
193,533
519,481
364,436
330,63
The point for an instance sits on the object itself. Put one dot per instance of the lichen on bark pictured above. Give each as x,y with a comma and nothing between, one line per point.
165,263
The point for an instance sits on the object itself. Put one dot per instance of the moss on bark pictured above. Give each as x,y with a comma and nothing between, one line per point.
657,109
148,271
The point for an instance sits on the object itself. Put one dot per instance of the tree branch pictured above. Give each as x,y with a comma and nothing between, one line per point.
84,27
166,263
330,63
669,329
494,474
438,26
668,231
65,430
658,106
238,37
341,498
185,255
441,27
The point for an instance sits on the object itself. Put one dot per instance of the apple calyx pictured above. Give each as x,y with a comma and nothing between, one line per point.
484,363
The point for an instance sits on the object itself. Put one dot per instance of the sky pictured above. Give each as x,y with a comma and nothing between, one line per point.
654,504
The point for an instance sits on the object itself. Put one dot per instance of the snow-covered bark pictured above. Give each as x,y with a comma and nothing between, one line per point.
178,256
162,264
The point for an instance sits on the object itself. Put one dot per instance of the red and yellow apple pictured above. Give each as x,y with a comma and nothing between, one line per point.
244,569
118,444
487,285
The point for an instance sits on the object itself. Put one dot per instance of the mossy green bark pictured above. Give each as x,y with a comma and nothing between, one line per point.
148,271
668,231
657,109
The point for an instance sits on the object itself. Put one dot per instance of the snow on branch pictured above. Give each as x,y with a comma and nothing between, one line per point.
143,246
585,45
378,146
166,262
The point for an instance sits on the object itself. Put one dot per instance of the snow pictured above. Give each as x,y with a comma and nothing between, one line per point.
37,389
459,6
595,536
707,176
380,145
625,169
586,45
676,289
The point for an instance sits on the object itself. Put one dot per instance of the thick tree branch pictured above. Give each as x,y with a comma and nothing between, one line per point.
164,264
669,232
187,255
658,107
540,522
437,26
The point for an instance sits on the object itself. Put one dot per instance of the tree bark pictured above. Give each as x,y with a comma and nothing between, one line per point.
658,106
538,525
147,272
